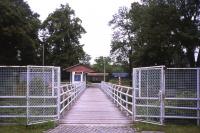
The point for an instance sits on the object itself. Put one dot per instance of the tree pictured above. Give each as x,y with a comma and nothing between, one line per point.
62,30
189,32
123,42
101,62
18,33
86,60
155,34
187,28
161,32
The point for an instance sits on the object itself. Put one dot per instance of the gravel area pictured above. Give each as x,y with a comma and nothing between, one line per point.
90,129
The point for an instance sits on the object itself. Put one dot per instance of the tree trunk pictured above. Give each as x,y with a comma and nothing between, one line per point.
130,67
190,56
198,60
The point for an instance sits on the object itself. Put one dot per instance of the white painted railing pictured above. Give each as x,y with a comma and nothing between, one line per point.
69,94
120,95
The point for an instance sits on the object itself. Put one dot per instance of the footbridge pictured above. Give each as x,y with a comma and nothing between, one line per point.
97,104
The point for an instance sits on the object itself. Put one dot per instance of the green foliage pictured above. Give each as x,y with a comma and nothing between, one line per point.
61,33
101,62
20,43
119,68
154,34
122,46
18,33
157,32
86,59
39,128
110,67
124,81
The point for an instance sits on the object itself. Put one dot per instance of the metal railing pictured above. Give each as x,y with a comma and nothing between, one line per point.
69,94
159,95
120,95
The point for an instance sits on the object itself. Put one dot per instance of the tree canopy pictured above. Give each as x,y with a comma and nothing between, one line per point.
100,62
62,31
22,36
157,32
18,33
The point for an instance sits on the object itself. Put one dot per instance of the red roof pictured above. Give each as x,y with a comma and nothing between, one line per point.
79,68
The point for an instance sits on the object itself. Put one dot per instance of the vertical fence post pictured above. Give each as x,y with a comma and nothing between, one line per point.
58,92
113,87
126,98
133,95
198,98
52,83
27,94
162,106
117,96
120,99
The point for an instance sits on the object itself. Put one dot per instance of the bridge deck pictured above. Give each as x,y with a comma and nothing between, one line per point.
94,107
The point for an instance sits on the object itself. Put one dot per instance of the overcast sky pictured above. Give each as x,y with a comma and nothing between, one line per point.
95,15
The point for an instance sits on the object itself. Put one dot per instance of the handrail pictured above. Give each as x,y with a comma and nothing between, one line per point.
69,94
121,96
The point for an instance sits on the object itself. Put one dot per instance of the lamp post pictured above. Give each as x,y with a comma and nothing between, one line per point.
43,54
43,38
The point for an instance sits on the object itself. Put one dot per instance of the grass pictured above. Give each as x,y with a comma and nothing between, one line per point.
38,128
167,128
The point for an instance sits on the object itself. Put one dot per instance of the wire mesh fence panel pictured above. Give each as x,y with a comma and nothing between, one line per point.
170,95
181,96
148,86
42,93
13,94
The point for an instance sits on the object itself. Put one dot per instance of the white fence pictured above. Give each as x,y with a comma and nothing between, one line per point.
29,94
34,94
69,94
160,95
120,95
164,95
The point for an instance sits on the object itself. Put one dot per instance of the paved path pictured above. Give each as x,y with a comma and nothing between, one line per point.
94,107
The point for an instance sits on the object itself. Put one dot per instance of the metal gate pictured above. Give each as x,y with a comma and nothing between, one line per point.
148,90
42,94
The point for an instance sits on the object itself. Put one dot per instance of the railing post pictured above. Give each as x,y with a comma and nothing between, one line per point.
58,92
27,94
127,99
114,93
162,106
198,98
133,95
108,92
117,96
75,89
120,95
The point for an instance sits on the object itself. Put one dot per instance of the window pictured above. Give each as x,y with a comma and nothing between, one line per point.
77,77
